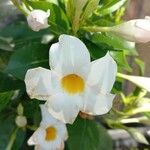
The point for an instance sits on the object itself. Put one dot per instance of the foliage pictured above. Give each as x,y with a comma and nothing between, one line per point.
21,49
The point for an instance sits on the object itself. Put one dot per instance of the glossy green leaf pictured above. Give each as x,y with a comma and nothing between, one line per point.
30,56
88,135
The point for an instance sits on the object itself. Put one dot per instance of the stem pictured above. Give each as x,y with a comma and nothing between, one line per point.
21,8
135,120
32,128
97,29
12,139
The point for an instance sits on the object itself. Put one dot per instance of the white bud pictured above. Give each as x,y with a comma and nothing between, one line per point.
137,30
38,19
21,121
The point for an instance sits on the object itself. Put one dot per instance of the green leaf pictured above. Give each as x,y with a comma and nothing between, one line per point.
147,114
90,8
7,125
58,21
4,99
98,45
95,51
88,135
30,56
70,8
141,65
120,58
32,111
4,57
114,42
20,35
110,7
20,137
8,83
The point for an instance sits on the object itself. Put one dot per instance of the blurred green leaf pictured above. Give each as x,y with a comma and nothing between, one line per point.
147,114
7,125
89,8
20,33
58,21
20,137
32,111
88,135
4,58
8,83
4,99
110,6
30,56
141,65
6,44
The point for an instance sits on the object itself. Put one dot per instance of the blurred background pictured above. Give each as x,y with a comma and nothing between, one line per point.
135,9
139,9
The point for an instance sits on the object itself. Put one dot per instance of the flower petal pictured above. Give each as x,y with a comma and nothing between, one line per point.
40,83
64,107
103,73
97,104
68,55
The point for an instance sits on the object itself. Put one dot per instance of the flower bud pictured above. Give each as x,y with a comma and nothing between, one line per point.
21,121
137,30
38,19
20,109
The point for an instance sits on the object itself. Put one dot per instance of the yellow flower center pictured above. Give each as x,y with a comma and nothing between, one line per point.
72,84
50,134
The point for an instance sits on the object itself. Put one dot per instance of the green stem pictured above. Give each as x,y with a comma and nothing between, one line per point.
97,29
21,8
32,128
136,120
12,139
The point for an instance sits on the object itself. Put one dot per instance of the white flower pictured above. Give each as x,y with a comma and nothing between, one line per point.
38,19
74,83
137,30
50,135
